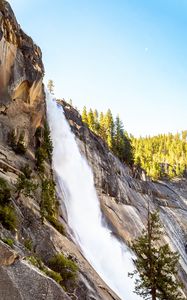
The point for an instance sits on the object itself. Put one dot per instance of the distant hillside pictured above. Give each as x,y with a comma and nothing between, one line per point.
164,155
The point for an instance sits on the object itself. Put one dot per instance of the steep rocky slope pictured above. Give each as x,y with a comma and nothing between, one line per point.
124,193
22,117
123,197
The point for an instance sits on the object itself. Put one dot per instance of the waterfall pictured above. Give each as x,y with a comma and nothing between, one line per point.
110,258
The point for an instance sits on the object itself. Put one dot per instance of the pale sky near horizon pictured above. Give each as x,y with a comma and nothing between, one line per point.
127,55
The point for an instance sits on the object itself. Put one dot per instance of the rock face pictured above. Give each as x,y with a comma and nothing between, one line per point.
7,256
22,111
20,280
124,198
21,74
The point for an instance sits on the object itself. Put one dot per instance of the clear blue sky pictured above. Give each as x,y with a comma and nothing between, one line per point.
127,55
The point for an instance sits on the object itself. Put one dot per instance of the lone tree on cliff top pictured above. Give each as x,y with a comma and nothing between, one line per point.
156,266
50,86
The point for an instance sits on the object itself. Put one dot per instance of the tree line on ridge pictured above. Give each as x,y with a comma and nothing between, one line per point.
161,156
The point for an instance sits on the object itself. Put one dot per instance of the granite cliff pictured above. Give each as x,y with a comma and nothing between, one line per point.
123,193
22,113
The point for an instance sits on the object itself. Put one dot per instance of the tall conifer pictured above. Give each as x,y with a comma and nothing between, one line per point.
156,265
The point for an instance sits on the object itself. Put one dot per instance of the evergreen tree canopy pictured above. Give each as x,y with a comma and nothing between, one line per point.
164,155
112,132
156,265
84,115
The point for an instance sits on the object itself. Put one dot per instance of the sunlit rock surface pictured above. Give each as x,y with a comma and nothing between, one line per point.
20,280
124,198
21,75
22,110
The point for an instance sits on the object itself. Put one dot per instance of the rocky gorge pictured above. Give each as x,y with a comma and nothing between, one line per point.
123,193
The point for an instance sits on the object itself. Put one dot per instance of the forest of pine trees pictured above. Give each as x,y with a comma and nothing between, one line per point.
111,131
162,156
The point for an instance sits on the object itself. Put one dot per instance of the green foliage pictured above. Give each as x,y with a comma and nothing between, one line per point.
44,146
111,132
5,196
47,144
48,201
41,156
28,244
56,224
156,265
54,275
64,266
25,186
49,204
7,213
9,242
84,115
38,263
35,261
8,217
27,171
162,156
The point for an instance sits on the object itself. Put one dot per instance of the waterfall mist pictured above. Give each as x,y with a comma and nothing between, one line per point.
110,258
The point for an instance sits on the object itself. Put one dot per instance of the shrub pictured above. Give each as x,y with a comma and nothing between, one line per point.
28,244
5,196
7,213
38,263
27,171
44,147
8,241
48,202
65,266
54,275
8,217
56,224
48,146
35,261
25,186
40,156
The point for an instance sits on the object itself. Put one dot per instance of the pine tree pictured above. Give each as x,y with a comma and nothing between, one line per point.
128,150
96,121
50,86
109,125
162,156
111,132
119,139
102,130
156,265
84,115
91,122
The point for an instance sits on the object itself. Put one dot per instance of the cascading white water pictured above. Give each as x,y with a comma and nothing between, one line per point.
110,258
